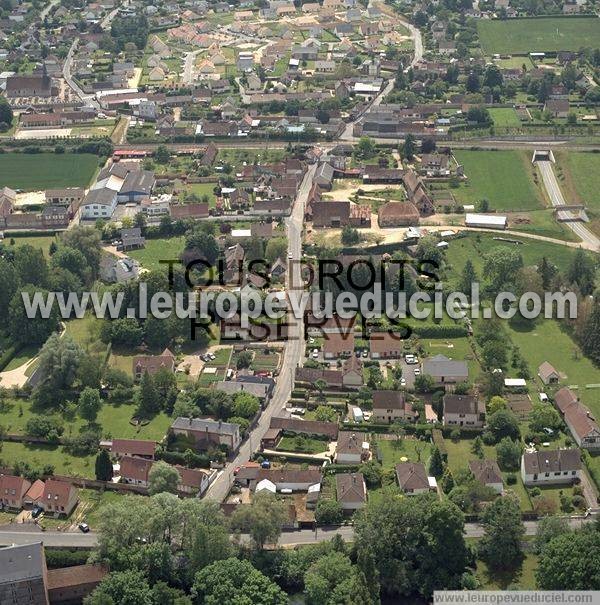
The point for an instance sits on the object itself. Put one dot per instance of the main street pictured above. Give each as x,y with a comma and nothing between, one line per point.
288,539
292,353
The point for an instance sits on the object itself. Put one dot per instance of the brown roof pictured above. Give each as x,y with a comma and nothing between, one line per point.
564,398
133,447
280,475
153,363
135,468
68,577
385,342
552,461
462,404
349,442
391,400
352,364
324,212
57,492
8,483
546,370
36,491
191,477
486,471
412,476
338,343
350,487
404,210
307,427
194,210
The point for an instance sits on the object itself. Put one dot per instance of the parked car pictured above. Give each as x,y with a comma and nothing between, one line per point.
315,354
365,353
417,371
36,511
84,527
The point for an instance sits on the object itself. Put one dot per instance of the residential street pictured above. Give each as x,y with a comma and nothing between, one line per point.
557,199
289,538
292,354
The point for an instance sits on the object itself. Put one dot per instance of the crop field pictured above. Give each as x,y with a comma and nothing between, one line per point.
34,172
522,36
501,177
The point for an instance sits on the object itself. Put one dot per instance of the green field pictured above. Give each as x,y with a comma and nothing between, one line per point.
34,172
582,178
502,177
522,36
505,117
157,250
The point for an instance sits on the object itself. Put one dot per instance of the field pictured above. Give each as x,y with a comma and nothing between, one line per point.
505,117
34,172
157,250
522,36
502,177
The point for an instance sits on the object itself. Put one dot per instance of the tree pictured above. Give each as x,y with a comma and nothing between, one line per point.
10,285
234,581
417,543
468,278
424,383
262,519
163,478
409,147
325,413
494,354
128,587
496,403
544,416
277,247
6,112
590,337
501,266
328,512
89,404
570,562
504,423
104,470
477,447
365,148
162,154
333,579
547,272
245,405
244,359
148,397
500,546
30,330
350,236
372,473
549,528
582,272
31,266
87,241
436,464
508,454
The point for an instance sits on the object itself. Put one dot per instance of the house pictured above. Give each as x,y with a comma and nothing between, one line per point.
140,448
351,491
59,498
296,480
118,270
578,418
192,481
463,410
195,210
412,478
385,345
99,203
296,426
37,85
398,214
65,197
338,345
445,371
488,473
435,164
206,433
73,584
551,467
351,448
352,372
557,108
547,374
23,577
153,363
12,491
135,471
391,406
131,239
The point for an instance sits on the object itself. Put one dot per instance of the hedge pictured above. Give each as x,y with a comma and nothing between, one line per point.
440,331
197,460
58,557
7,356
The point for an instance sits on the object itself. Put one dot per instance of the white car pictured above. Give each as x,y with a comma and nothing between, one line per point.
315,354
417,371
402,382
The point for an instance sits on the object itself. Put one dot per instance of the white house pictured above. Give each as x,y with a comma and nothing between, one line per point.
99,203
551,467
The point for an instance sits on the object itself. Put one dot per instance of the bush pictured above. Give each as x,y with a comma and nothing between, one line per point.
511,479
329,512
44,427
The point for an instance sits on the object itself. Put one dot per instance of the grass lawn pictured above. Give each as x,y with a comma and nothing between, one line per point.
545,341
23,356
306,445
202,189
392,451
522,36
523,576
505,116
40,455
502,177
157,250
453,348
92,502
42,242
33,172
262,362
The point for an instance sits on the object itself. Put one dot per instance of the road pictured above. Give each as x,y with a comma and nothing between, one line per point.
292,353
288,538
188,74
556,197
